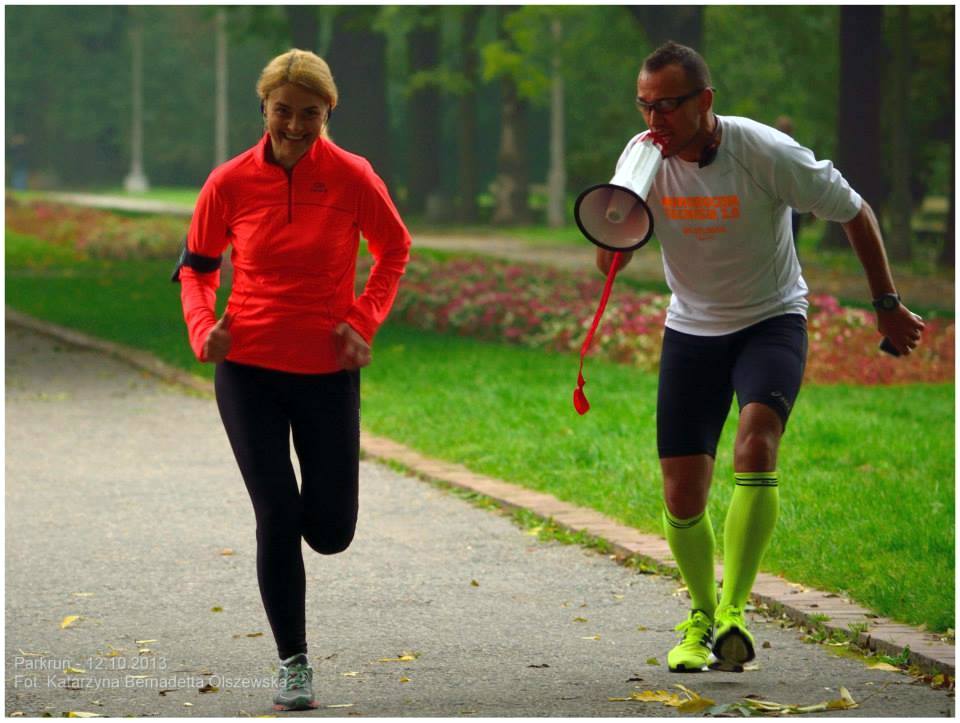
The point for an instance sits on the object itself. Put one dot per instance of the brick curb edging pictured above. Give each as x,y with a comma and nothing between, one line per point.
799,603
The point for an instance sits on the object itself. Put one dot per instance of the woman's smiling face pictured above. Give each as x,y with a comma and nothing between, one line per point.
295,118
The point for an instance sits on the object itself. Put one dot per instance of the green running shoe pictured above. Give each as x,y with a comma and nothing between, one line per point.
295,691
692,655
733,644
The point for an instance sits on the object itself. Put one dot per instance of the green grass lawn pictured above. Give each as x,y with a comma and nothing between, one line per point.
867,474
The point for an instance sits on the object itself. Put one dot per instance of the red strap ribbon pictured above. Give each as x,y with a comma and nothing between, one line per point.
579,398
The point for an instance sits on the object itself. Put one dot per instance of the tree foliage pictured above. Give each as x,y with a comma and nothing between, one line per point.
68,83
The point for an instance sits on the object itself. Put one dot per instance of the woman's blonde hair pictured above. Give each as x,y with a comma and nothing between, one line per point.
300,67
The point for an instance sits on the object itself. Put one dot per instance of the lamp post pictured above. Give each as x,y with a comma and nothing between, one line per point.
136,181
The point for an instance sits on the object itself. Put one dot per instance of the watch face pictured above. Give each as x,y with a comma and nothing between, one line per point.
889,302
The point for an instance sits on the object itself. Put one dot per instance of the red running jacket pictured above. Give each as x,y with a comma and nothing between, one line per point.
295,238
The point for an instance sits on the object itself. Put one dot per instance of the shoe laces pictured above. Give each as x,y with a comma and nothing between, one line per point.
296,675
697,620
730,611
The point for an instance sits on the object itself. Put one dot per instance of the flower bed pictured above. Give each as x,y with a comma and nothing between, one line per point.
526,304
545,308
97,233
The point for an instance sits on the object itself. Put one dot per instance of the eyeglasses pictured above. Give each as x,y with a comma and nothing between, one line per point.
666,105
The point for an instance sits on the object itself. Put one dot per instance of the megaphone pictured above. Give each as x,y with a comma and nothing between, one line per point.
615,216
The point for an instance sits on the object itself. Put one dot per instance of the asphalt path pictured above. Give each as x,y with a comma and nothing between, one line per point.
124,507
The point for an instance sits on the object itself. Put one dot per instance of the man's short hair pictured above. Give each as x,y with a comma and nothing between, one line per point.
671,53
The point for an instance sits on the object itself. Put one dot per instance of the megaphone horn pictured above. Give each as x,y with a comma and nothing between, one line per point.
615,215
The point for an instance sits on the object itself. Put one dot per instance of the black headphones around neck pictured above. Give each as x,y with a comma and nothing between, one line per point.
709,153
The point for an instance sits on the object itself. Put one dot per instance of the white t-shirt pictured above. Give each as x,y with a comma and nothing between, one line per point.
725,231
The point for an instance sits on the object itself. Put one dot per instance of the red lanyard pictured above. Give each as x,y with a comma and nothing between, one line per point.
579,398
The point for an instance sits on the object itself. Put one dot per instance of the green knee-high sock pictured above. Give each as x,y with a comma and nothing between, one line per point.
692,543
747,532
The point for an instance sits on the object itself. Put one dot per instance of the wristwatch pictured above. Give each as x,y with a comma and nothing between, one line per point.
887,302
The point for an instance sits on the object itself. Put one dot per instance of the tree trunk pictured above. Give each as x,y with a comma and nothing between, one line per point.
304,26
424,114
899,242
859,146
357,58
556,176
680,23
467,152
220,126
136,181
948,254
510,186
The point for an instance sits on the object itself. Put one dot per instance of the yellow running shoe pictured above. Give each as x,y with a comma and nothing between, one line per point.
734,644
693,654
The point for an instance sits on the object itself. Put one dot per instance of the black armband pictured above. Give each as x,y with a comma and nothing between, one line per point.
203,264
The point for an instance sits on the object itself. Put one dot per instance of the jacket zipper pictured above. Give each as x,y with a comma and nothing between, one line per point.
290,196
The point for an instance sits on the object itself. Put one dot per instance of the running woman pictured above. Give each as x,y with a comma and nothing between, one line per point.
294,336
736,324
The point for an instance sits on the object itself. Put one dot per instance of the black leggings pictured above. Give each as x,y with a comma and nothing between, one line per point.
259,408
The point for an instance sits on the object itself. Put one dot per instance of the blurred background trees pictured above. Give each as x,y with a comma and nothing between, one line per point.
457,107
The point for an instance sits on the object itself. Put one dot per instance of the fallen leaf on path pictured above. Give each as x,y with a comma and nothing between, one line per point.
82,714
68,621
216,609
144,642
885,666
26,654
75,671
541,665
226,551
340,705
84,594
404,679
591,637
474,583
653,661
642,628
351,674
695,702
688,702
167,690
579,620
208,689
402,658
16,714
844,702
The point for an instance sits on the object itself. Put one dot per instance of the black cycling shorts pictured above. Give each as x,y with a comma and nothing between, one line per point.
699,374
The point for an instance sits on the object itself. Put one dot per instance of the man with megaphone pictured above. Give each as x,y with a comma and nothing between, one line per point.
719,197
